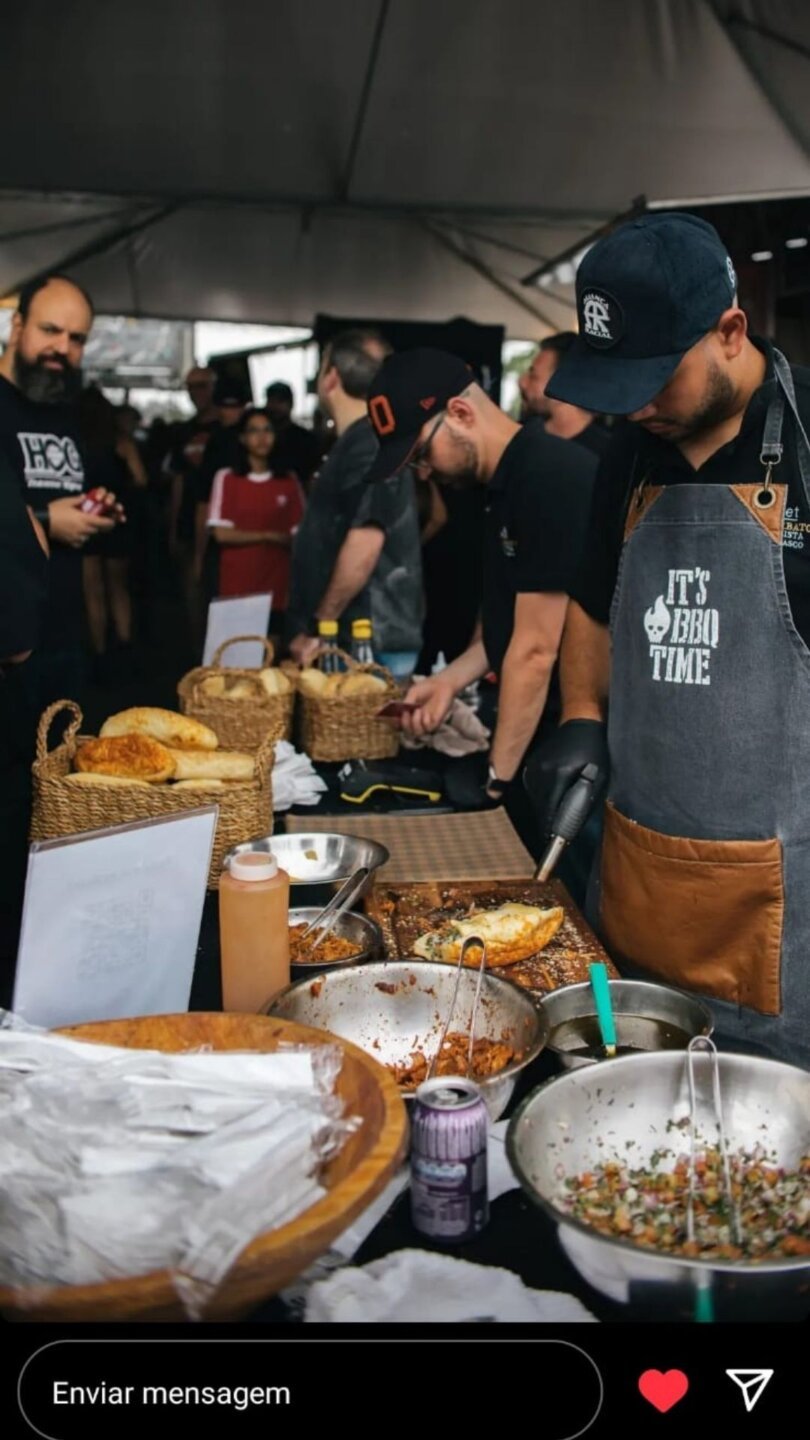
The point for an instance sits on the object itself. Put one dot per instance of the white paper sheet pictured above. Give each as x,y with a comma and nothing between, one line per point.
112,919
245,615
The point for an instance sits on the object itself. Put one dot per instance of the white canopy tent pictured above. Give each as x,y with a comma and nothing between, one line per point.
241,160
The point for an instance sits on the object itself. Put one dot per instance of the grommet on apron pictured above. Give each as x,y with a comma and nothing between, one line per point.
766,497
771,452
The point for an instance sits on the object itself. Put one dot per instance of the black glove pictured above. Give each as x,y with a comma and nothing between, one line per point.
556,765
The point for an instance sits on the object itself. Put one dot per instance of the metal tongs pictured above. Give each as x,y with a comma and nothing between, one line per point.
468,943
331,913
704,1046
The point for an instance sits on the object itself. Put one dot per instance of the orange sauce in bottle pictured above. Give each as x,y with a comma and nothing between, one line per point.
254,937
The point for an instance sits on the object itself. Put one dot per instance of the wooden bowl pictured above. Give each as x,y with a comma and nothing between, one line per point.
353,1178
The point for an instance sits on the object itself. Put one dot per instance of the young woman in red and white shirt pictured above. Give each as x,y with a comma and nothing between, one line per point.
253,517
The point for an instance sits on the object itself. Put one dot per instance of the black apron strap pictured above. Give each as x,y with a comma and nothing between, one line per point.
785,379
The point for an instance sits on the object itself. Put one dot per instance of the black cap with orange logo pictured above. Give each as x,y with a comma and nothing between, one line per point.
408,390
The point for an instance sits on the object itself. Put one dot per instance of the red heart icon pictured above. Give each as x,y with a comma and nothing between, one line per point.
663,1390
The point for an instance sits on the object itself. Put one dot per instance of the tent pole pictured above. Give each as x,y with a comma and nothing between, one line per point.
94,247
505,245
637,208
736,23
365,96
483,270
35,231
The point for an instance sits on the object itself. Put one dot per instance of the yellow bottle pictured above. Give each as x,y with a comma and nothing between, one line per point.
254,937
328,636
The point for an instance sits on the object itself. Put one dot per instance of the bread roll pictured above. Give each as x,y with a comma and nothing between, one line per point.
177,731
312,681
242,690
212,765
132,757
333,685
213,686
275,682
105,781
362,685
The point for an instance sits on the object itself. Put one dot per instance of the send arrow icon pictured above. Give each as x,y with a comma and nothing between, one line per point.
752,1383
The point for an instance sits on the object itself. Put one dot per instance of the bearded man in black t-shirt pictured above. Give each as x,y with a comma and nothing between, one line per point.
686,655
23,593
40,373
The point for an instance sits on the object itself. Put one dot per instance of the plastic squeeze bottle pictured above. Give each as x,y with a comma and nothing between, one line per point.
254,938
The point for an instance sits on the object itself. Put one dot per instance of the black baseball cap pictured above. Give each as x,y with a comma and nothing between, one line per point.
231,391
645,295
407,390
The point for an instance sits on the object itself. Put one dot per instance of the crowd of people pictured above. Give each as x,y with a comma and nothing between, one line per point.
647,627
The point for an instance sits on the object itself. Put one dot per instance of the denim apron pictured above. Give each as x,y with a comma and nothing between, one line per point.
705,867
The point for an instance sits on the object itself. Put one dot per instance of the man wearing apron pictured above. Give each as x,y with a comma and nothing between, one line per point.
693,616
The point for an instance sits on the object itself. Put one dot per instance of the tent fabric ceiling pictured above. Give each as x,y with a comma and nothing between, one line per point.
390,157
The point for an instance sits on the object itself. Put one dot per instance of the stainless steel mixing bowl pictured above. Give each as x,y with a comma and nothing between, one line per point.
391,1008
323,860
643,1013
621,1110
351,926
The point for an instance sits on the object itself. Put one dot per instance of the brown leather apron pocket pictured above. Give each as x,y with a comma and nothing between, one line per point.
703,915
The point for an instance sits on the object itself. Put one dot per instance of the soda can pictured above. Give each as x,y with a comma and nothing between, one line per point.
449,1199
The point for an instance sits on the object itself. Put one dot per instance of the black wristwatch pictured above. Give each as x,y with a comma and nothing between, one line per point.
494,785
43,515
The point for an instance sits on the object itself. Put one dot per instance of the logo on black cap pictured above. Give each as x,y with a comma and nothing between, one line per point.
601,320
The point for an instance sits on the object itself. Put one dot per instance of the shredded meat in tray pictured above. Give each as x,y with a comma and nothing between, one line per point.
489,1057
334,947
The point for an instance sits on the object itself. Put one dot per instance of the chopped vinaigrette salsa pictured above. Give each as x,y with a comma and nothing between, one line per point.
649,1207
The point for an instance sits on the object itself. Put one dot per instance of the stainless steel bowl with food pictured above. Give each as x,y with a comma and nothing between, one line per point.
318,860
353,940
396,1010
648,1018
604,1151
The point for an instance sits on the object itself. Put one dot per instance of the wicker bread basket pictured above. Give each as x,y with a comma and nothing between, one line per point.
240,724
59,808
343,727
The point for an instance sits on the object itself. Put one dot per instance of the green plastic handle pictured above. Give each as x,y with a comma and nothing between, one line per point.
604,1009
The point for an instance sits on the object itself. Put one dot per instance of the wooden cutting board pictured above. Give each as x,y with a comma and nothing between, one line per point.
404,912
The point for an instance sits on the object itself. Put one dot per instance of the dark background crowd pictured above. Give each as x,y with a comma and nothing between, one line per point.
144,527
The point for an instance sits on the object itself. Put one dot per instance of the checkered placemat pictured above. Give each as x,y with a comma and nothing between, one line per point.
481,845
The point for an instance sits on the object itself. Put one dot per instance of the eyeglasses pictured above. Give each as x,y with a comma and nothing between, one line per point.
420,456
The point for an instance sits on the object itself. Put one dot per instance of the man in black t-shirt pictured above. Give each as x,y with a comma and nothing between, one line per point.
569,422
296,451
222,452
183,461
357,552
430,414
637,451
23,596
686,656
40,372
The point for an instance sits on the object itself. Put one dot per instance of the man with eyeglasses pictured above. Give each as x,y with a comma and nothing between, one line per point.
430,414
